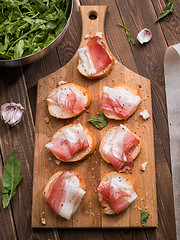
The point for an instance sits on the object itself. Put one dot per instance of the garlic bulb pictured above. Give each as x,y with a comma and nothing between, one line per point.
11,113
144,36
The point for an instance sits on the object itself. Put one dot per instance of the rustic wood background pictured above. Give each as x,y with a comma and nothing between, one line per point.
20,84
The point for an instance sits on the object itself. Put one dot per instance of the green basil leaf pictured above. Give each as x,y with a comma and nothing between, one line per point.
99,122
144,217
10,178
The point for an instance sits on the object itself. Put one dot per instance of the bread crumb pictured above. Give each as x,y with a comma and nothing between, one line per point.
58,162
62,82
95,190
144,114
92,169
138,208
92,214
86,212
99,34
43,219
86,36
143,166
50,159
135,206
47,120
142,199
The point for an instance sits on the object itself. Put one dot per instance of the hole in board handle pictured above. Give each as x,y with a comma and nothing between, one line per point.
92,15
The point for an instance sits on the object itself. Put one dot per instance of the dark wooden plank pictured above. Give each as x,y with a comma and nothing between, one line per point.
81,234
125,234
170,24
41,68
13,88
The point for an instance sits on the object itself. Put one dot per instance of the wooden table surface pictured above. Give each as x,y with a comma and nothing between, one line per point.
20,85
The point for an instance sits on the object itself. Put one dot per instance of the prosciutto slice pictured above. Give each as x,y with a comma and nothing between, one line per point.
64,195
94,56
68,100
69,142
119,101
117,193
118,148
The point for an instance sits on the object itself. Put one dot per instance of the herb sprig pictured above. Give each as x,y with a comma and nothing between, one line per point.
99,122
130,39
11,178
144,217
27,26
168,9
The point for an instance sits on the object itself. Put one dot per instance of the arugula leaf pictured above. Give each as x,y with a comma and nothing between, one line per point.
11,178
130,39
26,22
99,122
144,217
18,49
168,9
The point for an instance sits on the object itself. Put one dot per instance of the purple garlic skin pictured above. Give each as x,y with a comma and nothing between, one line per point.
144,35
11,113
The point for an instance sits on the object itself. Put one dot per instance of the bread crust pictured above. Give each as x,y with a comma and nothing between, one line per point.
101,74
92,146
134,90
107,179
107,133
67,115
56,175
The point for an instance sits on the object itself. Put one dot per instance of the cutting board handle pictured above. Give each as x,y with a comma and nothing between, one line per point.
92,21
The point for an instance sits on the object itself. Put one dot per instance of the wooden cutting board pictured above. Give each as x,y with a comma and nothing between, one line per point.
90,214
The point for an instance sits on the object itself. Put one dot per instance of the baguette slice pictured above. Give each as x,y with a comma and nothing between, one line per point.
53,204
121,181
126,93
60,112
85,62
82,154
110,138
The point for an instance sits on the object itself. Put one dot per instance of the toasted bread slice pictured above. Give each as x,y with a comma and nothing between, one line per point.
58,111
56,175
82,154
97,75
132,90
65,197
108,135
123,177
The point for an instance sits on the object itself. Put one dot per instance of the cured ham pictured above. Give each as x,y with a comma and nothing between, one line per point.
119,147
63,194
120,101
116,192
94,57
68,99
69,142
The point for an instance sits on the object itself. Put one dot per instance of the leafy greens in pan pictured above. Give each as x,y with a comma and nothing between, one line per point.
27,26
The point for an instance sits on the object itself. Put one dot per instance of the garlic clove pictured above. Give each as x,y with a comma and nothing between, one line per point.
144,36
11,113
